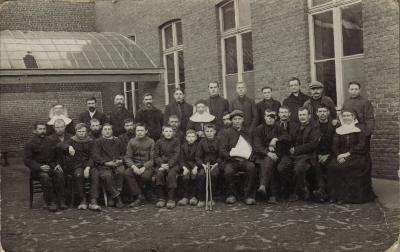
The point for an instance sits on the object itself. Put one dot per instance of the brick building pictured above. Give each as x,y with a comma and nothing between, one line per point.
262,42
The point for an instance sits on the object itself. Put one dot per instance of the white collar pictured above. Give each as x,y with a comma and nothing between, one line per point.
66,119
347,129
92,113
202,118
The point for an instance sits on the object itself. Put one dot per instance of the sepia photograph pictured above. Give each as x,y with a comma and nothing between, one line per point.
199,125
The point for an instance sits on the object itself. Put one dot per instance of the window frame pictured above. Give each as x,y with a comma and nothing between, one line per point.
236,32
175,49
133,92
335,6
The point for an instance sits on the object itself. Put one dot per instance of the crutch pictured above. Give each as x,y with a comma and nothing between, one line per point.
208,187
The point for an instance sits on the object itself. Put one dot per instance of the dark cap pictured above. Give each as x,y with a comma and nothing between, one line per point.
316,84
236,112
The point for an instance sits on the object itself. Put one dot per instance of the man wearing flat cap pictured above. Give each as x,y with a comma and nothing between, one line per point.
235,151
318,99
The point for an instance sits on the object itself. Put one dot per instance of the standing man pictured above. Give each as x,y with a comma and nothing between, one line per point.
92,112
233,163
267,103
40,158
317,99
246,105
296,99
180,108
151,116
217,104
119,114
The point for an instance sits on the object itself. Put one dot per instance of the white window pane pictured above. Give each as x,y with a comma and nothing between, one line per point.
168,36
181,67
230,55
228,16
170,68
326,75
179,33
244,13
319,2
323,34
353,70
352,30
247,46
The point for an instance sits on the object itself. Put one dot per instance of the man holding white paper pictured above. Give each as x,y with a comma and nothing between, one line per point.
236,150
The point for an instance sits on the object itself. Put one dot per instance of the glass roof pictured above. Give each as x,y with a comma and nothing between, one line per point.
70,50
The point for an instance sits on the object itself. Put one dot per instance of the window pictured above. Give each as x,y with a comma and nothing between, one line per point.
131,94
336,37
236,43
173,60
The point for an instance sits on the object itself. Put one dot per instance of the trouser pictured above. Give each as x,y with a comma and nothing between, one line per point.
189,185
268,176
201,182
80,182
136,184
320,174
111,179
299,165
167,179
231,167
53,185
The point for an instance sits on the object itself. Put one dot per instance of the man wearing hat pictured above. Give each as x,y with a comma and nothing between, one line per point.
317,99
236,158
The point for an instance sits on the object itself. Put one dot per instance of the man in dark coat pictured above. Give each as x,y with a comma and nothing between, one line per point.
151,116
129,127
95,129
180,108
92,112
217,104
118,115
246,105
267,103
302,155
233,163
40,158
317,99
296,99
166,160
108,156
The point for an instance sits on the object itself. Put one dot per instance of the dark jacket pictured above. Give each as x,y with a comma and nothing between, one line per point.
83,153
153,118
62,154
207,152
117,118
84,117
40,151
124,139
248,107
327,132
294,103
355,143
262,137
140,152
69,128
287,139
306,141
229,140
218,106
199,126
188,153
312,106
105,150
183,110
364,110
167,151
272,104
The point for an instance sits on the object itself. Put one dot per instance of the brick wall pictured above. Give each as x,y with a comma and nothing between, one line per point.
21,105
42,15
381,66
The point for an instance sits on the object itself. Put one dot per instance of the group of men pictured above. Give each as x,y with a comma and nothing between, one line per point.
278,150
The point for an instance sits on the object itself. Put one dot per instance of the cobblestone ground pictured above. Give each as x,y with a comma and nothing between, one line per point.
283,227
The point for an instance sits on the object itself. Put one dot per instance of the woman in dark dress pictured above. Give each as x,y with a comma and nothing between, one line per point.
349,176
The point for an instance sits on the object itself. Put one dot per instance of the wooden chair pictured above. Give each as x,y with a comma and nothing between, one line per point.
34,187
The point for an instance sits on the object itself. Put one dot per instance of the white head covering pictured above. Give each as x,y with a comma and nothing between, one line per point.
205,117
64,115
345,129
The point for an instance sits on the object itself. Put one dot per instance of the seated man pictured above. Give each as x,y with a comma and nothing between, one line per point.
129,127
174,122
95,129
265,139
107,155
40,157
302,154
139,161
233,163
81,165
207,154
166,159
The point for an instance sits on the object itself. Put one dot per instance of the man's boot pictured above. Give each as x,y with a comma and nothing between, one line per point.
118,202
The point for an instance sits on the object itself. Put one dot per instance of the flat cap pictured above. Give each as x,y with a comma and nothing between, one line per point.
236,112
316,84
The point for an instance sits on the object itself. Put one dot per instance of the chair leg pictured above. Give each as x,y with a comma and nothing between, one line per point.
30,193
103,190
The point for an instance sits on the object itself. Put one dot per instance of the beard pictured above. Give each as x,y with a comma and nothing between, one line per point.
96,133
130,132
92,109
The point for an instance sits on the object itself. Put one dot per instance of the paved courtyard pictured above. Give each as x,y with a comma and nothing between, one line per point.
283,227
